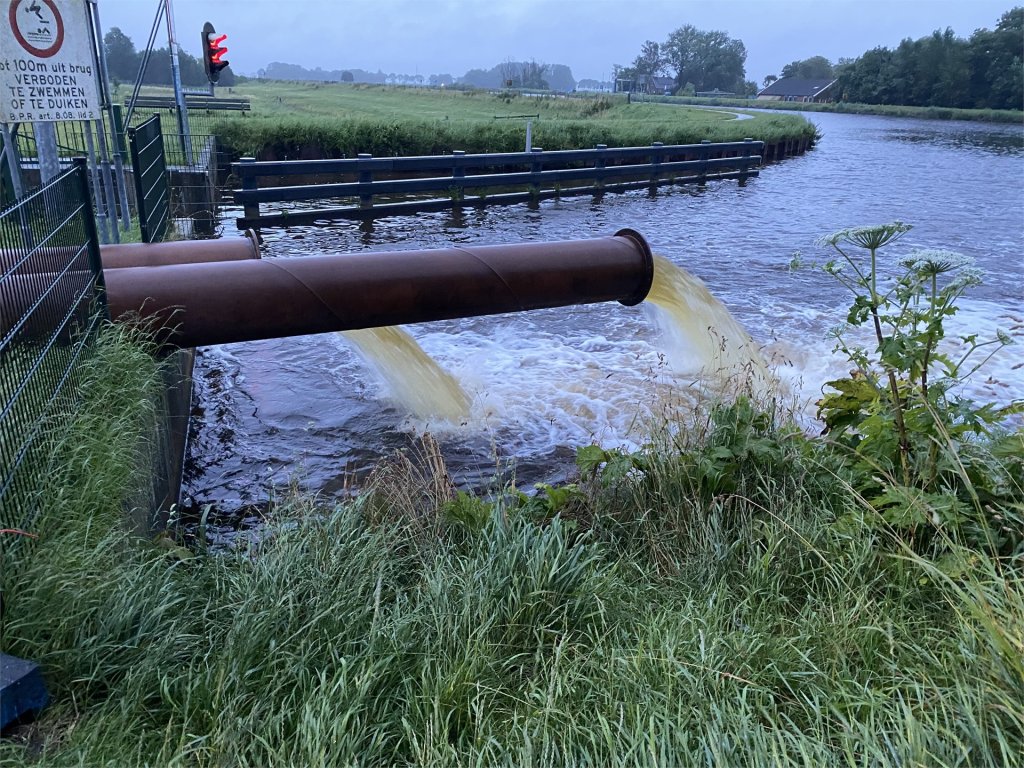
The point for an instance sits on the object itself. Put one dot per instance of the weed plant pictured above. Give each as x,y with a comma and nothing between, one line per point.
694,603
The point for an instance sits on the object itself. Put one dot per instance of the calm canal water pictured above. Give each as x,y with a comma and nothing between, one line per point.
311,411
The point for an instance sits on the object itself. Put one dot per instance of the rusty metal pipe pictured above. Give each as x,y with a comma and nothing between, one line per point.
223,302
124,255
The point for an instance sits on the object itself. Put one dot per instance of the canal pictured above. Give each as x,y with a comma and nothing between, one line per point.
311,412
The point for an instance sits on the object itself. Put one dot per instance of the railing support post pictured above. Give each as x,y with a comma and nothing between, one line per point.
747,146
599,161
705,147
535,169
247,170
655,163
365,177
458,176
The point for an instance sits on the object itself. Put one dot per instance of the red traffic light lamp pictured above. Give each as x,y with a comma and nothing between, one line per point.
213,52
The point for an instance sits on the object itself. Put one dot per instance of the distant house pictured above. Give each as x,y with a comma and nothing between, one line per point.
799,89
664,86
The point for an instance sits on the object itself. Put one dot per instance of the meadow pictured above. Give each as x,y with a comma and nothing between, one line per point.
310,120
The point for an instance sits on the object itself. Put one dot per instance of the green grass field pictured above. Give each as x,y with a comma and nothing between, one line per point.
291,120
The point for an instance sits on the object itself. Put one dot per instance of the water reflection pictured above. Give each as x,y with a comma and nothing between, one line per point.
1009,141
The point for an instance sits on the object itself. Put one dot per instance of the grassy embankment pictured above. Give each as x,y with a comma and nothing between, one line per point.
722,597
308,120
887,110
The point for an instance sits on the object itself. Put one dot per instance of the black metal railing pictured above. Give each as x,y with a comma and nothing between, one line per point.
51,303
152,193
472,179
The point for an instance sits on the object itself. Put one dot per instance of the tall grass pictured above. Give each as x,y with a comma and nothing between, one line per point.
656,615
308,121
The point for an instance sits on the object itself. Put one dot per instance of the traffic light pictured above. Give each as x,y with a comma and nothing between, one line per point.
213,51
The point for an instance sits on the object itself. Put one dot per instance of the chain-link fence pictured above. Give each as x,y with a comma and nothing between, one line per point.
192,163
50,307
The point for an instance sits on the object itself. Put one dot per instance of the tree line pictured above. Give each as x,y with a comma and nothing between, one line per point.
124,62
696,60
506,74
984,71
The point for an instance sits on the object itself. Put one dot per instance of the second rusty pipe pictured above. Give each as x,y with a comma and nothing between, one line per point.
223,302
125,255
51,259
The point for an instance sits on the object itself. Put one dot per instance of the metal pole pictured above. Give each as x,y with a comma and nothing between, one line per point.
529,135
13,161
144,65
101,213
14,164
179,95
95,265
104,77
46,151
108,181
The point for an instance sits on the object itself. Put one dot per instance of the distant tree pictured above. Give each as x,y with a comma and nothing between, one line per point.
996,58
814,68
769,79
122,58
481,78
511,74
986,71
560,78
708,59
346,77
534,75
650,63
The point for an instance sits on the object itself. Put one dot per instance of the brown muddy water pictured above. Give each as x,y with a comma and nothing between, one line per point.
520,392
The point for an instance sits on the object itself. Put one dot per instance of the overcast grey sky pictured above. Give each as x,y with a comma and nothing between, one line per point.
452,36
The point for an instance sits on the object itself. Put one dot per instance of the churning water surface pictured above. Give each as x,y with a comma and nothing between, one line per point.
313,411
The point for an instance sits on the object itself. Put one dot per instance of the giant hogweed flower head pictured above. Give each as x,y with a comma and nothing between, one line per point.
936,261
871,238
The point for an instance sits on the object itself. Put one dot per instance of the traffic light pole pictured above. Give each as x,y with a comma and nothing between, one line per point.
179,95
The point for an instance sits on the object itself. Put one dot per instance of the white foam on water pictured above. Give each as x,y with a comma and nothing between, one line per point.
534,391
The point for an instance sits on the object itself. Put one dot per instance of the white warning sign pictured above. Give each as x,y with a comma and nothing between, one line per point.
47,72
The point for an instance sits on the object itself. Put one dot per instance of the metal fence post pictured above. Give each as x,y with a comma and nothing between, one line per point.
599,168
747,146
365,177
655,162
535,169
703,169
247,170
91,234
458,174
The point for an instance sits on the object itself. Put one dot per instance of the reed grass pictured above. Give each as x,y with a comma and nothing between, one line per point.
655,618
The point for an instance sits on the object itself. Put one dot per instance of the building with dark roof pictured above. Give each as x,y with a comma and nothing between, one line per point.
799,89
